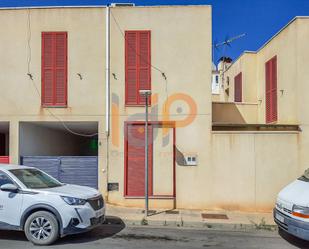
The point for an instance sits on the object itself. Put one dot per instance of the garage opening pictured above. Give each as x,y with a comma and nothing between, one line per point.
68,152
4,142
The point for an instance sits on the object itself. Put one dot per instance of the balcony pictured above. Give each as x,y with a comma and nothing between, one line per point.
234,113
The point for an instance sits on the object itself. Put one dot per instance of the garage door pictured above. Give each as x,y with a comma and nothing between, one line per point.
72,170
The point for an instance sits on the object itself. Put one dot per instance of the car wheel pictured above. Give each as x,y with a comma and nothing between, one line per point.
42,228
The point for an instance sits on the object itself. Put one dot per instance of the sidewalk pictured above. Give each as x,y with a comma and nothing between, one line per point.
224,220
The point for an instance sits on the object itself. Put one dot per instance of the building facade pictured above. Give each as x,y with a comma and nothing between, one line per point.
267,99
60,112
53,98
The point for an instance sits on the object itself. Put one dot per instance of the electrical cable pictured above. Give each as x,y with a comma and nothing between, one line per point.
37,90
144,60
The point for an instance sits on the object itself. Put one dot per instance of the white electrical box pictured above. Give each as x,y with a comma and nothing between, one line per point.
191,160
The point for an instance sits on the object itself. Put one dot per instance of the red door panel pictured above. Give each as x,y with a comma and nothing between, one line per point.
135,160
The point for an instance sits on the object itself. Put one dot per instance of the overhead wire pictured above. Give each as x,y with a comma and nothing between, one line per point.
65,126
163,74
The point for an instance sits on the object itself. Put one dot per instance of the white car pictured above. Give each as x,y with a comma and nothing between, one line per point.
292,208
44,208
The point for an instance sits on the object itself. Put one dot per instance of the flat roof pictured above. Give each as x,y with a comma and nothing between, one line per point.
219,126
101,6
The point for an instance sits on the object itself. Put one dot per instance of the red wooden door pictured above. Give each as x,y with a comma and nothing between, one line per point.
135,160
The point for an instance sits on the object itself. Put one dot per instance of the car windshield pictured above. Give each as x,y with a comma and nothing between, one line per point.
35,179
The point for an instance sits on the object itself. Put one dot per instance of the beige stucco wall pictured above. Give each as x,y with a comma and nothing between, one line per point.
180,47
289,47
20,101
234,171
247,65
249,168
234,113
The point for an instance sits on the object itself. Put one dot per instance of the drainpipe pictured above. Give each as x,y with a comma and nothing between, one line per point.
107,92
107,72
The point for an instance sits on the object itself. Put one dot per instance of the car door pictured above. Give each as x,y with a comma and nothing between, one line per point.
10,204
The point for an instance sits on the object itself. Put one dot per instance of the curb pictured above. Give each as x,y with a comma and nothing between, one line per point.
201,225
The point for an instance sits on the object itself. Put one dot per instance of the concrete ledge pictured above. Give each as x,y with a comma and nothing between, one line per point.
193,219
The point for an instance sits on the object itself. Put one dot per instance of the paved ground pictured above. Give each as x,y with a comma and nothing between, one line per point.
117,236
194,218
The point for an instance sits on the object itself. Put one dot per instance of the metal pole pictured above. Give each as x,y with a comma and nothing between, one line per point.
107,71
146,159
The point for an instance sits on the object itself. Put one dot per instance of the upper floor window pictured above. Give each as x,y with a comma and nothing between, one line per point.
271,90
54,69
238,88
137,66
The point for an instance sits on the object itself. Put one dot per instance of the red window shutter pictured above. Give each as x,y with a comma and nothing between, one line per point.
61,69
238,88
131,67
144,63
271,90
54,68
47,69
135,161
274,105
137,63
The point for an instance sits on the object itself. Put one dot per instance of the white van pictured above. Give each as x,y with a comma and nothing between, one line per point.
292,208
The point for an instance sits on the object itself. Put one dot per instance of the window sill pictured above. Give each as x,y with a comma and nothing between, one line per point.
162,197
54,106
136,105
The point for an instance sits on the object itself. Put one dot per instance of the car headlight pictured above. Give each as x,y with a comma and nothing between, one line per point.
299,211
74,201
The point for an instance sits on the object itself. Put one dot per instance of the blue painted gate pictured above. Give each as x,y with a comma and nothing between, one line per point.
80,170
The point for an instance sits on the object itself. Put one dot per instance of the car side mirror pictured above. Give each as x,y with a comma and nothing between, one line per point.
9,188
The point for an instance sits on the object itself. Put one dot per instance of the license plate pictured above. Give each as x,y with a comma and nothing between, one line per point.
98,213
280,218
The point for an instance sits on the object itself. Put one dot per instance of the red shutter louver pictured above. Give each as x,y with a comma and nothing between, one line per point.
271,90
54,69
137,65
238,88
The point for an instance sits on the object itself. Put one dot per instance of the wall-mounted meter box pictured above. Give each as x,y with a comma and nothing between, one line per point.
191,160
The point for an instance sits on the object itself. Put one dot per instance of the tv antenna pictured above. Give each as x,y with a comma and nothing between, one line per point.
226,43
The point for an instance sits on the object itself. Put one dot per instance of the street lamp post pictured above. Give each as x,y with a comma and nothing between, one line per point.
147,95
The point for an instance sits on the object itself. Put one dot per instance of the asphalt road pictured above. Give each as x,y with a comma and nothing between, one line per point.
117,236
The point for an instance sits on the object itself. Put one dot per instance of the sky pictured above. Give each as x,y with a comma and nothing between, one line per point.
259,19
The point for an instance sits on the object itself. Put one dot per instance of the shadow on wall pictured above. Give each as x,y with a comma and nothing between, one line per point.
180,158
226,113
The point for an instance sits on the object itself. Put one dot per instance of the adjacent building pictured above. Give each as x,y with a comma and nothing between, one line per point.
264,109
